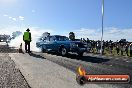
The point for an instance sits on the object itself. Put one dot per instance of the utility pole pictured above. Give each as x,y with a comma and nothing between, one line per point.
102,25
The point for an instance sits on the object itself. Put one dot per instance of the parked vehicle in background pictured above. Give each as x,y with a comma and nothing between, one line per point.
4,38
61,44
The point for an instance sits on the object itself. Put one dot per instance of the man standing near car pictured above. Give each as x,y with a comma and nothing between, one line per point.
27,40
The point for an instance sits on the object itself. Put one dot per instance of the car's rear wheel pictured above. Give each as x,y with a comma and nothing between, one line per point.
63,51
43,49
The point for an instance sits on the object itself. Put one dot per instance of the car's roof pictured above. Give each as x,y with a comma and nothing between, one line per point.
58,35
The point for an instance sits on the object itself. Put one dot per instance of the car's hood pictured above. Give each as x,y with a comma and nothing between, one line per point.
75,42
62,42
69,41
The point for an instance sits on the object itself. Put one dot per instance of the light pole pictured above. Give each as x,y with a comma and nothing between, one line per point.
102,25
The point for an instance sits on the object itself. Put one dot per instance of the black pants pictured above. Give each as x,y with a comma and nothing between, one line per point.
127,52
130,53
27,46
121,52
117,51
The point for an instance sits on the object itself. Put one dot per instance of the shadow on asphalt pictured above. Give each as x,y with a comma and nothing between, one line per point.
36,56
84,58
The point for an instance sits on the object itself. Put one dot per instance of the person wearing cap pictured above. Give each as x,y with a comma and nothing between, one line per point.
27,40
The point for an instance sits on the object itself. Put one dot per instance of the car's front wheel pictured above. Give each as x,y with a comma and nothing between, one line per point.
80,53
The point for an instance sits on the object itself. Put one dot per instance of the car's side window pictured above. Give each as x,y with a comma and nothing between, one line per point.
51,38
55,39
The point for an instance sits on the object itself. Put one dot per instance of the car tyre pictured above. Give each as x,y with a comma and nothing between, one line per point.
63,51
43,49
80,54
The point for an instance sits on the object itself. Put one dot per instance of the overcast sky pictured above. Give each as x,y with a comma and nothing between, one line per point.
62,16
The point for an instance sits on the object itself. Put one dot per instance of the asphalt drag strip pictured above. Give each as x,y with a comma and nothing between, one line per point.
42,73
93,66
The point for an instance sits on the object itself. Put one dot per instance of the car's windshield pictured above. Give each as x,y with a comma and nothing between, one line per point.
61,38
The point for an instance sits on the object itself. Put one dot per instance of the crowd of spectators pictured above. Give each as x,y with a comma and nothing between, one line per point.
122,47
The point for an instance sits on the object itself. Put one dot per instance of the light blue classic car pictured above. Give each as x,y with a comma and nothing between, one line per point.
61,44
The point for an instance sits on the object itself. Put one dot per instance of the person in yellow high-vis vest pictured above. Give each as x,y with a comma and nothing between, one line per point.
27,40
